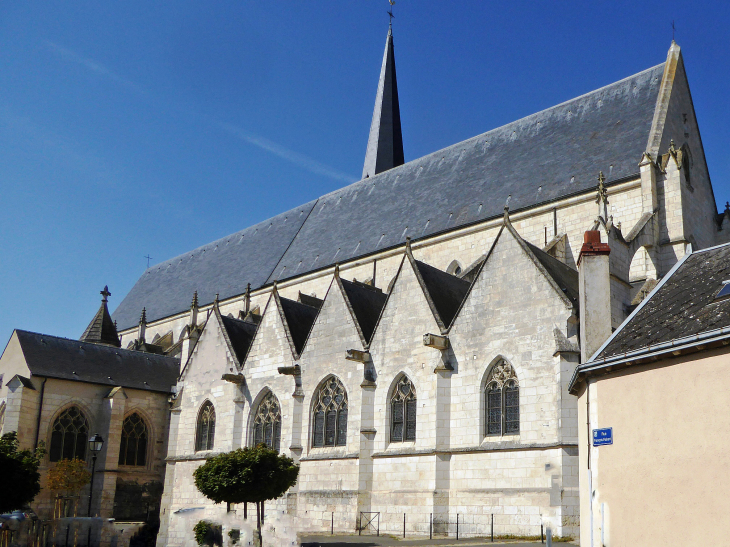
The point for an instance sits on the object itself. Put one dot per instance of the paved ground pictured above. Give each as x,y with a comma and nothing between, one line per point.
390,541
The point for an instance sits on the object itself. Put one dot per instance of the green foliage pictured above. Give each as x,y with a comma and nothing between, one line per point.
207,533
235,535
21,481
246,475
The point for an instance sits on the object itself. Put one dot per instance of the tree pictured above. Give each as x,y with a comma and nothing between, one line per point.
247,475
21,480
67,478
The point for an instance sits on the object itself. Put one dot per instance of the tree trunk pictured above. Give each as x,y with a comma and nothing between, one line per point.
258,523
228,507
245,510
263,512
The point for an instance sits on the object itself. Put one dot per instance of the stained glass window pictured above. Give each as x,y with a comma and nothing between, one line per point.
69,435
267,422
206,427
403,411
330,414
133,448
502,401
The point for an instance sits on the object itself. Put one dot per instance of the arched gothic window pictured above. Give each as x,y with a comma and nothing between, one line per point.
69,435
403,411
330,414
502,398
206,427
133,449
267,422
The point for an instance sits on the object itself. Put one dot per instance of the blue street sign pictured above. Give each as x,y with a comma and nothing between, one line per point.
603,436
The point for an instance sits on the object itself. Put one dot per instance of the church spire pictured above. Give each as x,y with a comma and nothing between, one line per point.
385,145
102,330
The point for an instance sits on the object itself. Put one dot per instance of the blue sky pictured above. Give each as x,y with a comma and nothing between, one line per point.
138,128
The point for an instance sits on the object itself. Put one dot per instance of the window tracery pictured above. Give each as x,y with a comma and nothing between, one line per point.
133,448
69,435
502,400
403,411
330,414
267,422
206,427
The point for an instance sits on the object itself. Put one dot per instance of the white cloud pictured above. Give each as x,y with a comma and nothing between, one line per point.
263,143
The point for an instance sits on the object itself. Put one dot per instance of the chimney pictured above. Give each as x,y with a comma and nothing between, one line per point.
594,294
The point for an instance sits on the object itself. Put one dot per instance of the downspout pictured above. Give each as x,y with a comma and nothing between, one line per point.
40,410
590,473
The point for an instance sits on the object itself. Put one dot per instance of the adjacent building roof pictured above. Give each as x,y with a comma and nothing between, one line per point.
538,159
683,305
54,357
684,313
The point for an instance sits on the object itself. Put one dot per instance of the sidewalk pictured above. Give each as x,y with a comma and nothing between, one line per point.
310,540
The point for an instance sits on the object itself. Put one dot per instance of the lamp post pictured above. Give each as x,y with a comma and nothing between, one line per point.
95,445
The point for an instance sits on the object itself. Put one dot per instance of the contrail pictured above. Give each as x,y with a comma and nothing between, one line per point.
263,143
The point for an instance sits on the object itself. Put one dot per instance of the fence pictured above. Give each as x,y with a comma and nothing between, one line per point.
61,532
458,526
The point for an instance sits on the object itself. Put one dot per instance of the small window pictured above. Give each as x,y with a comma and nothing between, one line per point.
403,411
69,435
133,448
724,292
502,401
330,414
267,423
206,427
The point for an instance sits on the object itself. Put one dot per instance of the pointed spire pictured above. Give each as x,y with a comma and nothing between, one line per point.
385,144
194,303
142,328
102,330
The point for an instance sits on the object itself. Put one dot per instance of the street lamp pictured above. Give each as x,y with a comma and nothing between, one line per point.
95,445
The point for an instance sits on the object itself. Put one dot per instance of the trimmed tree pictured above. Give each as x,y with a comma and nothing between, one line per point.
246,475
21,480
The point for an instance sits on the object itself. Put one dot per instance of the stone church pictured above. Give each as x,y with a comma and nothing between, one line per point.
410,339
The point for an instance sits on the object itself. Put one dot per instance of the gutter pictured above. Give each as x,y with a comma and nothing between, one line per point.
675,347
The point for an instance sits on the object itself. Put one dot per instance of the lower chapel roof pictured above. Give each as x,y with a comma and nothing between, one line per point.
54,357
538,159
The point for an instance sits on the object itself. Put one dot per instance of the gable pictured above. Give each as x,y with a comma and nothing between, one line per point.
213,354
406,312
334,325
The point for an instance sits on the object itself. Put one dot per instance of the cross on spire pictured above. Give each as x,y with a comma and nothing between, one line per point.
105,293
673,30
148,257
390,11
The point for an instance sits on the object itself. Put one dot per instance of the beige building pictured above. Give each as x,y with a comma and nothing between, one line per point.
660,383
410,339
61,392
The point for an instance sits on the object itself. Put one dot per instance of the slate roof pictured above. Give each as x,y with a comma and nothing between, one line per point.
54,357
683,305
565,276
300,319
224,266
366,304
446,291
101,330
538,159
240,333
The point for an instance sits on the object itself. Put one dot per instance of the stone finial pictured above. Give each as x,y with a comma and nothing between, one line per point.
217,298
727,206
337,269
194,303
105,294
143,317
